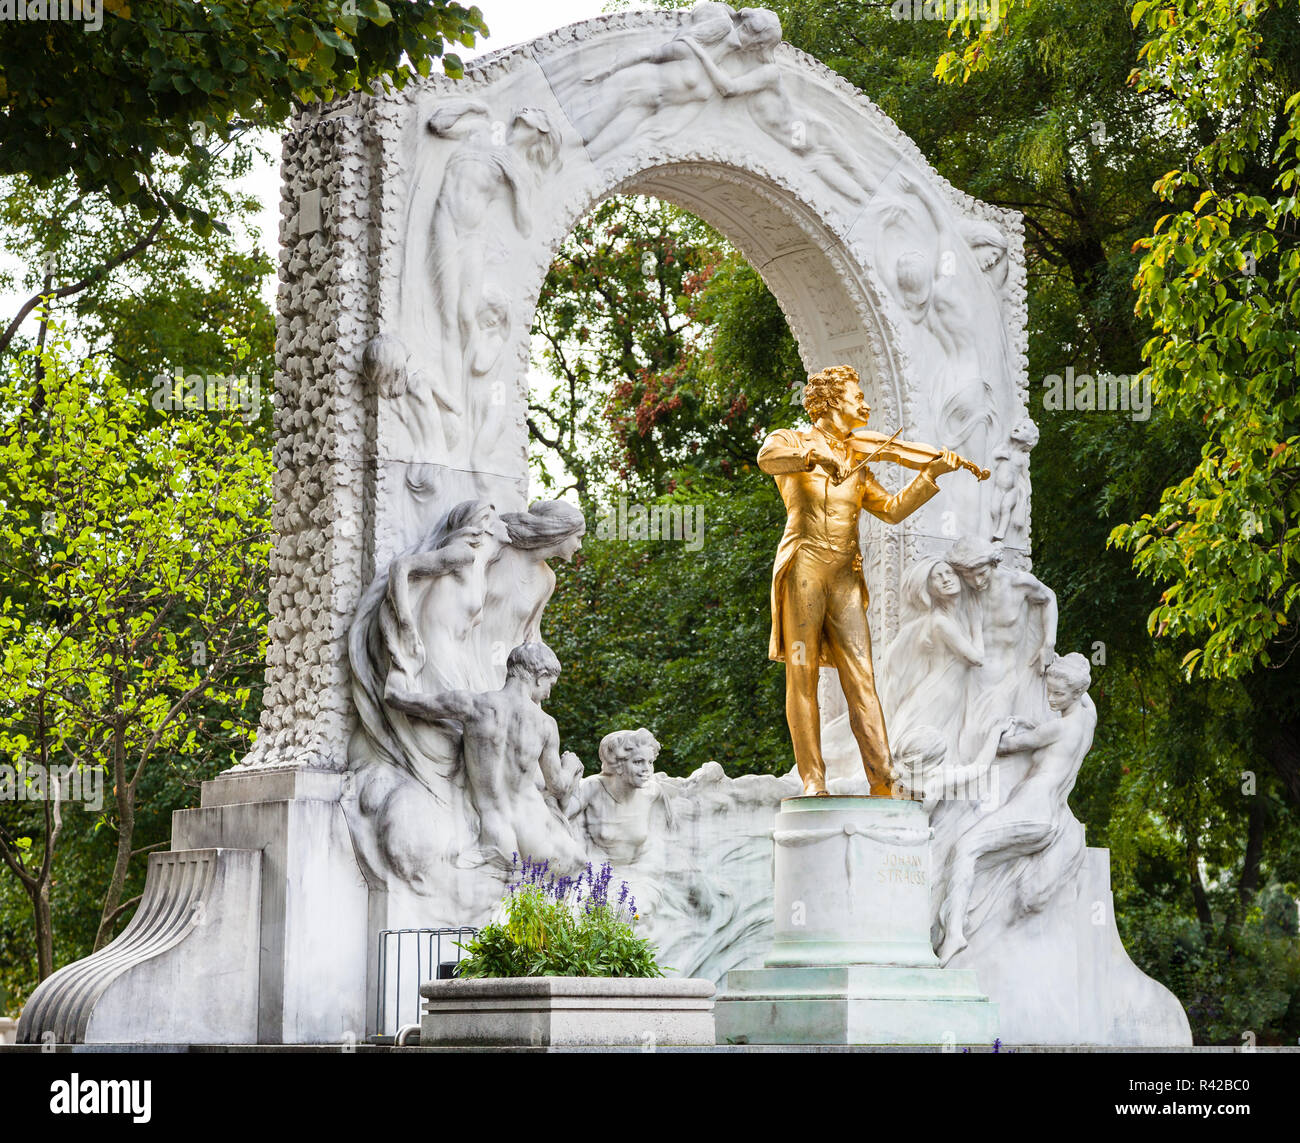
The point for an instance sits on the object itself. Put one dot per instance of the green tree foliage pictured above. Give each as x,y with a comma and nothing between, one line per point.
134,556
163,77
652,633
1217,282
633,315
152,296
144,299
1220,281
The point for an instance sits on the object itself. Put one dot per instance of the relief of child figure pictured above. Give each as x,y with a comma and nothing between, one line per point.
1011,485
616,806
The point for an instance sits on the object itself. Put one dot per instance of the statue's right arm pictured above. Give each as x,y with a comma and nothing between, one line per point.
439,561
461,705
783,451
1033,738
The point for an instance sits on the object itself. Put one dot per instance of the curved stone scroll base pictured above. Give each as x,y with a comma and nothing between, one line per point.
184,970
851,961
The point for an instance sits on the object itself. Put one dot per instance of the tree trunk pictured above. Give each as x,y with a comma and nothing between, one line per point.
1248,883
1248,886
44,923
1199,899
124,795
117,883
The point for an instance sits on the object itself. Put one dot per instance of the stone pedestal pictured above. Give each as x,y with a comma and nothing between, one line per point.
313,901
253,929
851,961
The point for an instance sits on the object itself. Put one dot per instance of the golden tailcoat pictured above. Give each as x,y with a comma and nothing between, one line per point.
823,514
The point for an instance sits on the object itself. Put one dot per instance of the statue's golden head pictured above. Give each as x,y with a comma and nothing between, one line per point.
825,389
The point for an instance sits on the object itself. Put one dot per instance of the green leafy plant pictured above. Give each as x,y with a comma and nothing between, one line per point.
561,926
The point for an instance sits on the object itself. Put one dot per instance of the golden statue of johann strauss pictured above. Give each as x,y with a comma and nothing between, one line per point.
819,596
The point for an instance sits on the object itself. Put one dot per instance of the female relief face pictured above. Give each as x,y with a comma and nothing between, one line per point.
1061,692
943,580
562,549
639,769
570,547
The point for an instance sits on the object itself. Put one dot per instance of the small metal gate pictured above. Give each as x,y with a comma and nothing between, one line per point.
407,959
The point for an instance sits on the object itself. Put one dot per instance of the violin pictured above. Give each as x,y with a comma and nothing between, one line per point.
909,454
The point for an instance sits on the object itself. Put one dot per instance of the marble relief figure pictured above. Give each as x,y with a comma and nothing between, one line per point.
667,82
1031,838
926,676
757,84
989,245
520,581
618,804
447,585
990,728
1017,615
481,175
427,637
507,743
1011,485
933,275
463,313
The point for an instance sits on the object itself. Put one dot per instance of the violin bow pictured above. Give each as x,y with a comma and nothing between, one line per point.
969,465
863,464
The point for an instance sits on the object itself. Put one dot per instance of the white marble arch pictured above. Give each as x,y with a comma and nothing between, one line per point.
367,354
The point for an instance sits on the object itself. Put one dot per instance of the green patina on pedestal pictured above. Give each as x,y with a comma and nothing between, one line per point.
851,961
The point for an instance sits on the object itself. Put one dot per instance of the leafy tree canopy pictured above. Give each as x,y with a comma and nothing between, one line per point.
167,77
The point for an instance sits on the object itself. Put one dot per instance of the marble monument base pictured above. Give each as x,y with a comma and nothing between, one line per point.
851,961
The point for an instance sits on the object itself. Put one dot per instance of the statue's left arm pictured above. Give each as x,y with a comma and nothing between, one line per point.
552,769
901,504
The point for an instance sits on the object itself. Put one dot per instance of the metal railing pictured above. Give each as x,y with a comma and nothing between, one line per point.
407,959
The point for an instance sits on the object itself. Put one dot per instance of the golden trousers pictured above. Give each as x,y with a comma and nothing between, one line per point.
825,603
